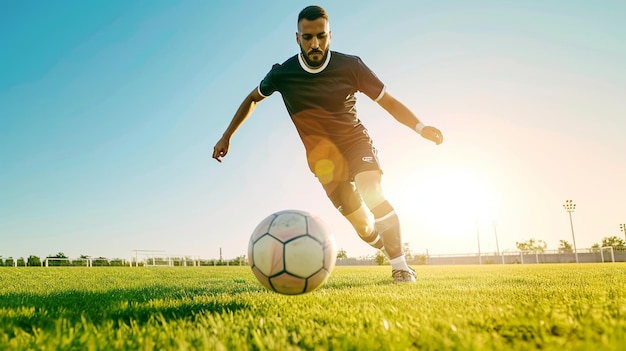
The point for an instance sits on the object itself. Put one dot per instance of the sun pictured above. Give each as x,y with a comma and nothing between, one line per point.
450,198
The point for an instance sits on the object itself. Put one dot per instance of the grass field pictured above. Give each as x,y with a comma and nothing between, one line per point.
512,307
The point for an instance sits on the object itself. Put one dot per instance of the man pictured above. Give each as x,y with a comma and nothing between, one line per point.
318,87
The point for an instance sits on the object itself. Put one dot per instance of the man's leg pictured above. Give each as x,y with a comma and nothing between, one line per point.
348,202
329,165
363,222
386,220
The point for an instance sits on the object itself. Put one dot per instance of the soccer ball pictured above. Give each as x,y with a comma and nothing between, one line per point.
292,252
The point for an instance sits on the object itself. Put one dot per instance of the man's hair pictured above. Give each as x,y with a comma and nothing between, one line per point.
312,13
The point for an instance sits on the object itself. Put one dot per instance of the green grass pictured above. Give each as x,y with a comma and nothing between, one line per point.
512,307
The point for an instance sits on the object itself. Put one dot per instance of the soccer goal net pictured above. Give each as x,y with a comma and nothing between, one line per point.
161,258
66,261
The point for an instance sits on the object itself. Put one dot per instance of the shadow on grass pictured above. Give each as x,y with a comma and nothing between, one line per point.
348,284
167,301
29,311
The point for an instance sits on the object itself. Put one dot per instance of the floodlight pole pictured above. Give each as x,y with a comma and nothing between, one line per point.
622,227
569,206
495,232
480,260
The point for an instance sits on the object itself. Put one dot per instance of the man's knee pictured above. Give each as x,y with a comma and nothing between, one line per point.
344,197
369,187
362,220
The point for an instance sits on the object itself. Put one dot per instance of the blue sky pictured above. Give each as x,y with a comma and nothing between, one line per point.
109,112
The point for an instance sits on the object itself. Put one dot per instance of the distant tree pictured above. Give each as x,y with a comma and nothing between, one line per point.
33,261
565,247
342,254
59,262
78,263
8,262
82,261
100,262
237,261
21,261
532,245
618,244
118,262
381,258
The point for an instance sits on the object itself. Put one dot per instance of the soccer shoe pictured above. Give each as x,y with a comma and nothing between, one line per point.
402,276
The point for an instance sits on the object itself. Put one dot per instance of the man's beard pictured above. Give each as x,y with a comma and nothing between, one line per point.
314,64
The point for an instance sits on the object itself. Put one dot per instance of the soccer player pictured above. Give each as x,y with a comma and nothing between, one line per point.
318,86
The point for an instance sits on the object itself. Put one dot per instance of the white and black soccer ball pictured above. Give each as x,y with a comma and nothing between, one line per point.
292,252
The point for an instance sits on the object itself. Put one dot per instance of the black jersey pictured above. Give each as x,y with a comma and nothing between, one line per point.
321,102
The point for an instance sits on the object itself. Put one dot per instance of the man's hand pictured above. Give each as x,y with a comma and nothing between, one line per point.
245,109
221,149
433,134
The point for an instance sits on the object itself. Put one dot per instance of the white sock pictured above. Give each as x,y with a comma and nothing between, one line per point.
399,263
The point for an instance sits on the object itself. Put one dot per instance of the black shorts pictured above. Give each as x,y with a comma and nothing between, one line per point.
335,168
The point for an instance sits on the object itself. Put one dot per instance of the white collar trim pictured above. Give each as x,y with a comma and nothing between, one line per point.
313,70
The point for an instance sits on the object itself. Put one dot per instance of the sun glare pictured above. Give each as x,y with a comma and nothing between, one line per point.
451,198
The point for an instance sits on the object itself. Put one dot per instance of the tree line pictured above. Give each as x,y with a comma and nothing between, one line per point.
534,245
62,260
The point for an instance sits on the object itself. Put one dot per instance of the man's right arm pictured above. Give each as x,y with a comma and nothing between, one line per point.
243,112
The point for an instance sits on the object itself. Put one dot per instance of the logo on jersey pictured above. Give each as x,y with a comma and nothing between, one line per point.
368,159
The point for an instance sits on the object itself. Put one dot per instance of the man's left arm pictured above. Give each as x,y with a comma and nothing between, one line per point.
403,115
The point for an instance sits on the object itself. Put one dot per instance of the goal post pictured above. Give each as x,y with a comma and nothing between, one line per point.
161,258
66,262
610,249
150,258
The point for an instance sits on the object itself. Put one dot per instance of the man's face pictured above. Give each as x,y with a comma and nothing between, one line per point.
314,40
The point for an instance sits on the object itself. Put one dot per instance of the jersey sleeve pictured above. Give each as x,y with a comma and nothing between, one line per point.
368,82
267,86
